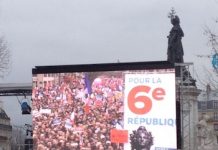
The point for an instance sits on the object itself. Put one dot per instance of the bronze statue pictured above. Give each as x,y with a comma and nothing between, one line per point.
175,50
141,139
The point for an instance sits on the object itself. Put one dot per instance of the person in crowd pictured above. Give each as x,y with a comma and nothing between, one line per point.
66,116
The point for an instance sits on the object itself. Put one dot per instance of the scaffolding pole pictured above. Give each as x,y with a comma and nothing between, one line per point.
182,81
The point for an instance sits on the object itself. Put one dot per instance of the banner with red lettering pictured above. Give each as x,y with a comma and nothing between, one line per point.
150,110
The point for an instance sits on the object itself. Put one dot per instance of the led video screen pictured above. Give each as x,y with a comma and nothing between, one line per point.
105,107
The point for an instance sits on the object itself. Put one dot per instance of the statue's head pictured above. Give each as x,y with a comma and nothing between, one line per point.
206,117
175,20
141,139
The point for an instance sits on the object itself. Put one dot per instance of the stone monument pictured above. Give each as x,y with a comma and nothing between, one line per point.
186,90
206,135
175,49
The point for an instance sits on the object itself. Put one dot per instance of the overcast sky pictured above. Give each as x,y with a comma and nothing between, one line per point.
58,32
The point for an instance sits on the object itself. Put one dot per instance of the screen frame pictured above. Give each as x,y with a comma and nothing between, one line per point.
120,66
103,67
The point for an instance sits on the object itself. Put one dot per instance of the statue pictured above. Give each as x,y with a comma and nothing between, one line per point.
206,136
141,139
175,50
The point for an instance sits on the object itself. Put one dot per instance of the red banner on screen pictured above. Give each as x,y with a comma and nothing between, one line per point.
119,136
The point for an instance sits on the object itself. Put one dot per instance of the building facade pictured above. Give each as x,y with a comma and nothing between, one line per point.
5,131
208,113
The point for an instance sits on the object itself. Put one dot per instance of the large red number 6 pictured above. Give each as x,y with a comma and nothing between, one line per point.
132,100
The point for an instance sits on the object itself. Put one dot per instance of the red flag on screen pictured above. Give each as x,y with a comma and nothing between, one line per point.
119,136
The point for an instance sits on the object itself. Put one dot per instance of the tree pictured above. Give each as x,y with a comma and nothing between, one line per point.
212,38
4,57
211,76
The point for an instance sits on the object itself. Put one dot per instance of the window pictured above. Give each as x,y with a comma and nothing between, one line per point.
45,75
49,75
203,105
215,116
216,127
215,104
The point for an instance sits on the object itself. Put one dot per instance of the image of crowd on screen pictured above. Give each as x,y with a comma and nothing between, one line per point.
74,112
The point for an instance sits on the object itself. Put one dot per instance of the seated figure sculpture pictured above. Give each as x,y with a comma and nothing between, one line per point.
206,137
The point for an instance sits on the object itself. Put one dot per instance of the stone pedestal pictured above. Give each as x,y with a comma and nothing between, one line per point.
189,115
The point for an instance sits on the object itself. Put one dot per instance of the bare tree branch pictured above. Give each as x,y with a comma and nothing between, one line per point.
202,83
5,57
212,38
211,78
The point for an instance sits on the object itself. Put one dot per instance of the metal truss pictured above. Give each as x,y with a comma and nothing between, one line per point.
15,89
182,81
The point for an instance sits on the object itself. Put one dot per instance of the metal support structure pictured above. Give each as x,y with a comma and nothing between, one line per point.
183,81
15,89
20,143
19,89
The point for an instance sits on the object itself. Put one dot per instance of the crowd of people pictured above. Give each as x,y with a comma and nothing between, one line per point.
75,113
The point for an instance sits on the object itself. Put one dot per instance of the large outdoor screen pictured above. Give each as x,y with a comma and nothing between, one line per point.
130,106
